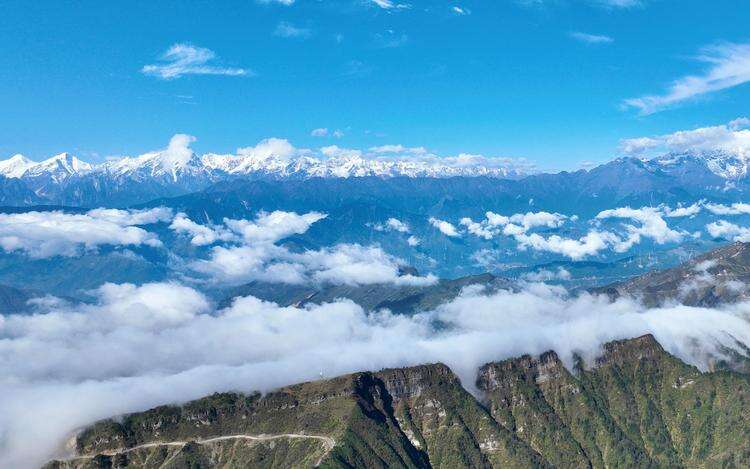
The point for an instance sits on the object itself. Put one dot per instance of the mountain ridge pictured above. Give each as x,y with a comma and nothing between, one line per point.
635,406
64,179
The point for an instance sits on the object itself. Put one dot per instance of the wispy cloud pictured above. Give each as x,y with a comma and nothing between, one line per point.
280,2
461,11
323,132
390,39
187,59
389,5
591,38
284,29
609,4
619,3
729,66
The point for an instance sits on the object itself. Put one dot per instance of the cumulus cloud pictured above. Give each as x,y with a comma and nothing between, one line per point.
680,211
186,59
738,208
252,254
728,66
495,224
48,234
733,137
392,224
200,235
162,343
652,226
727,230
274,226
267,148
545,275
591,38
447,228
348,264
588,245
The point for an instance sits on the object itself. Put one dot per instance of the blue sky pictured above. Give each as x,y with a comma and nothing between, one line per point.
547,80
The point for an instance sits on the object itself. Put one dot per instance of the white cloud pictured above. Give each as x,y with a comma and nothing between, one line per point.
591,38
319,132
48,234
256,256
385,149
545,275
588,245
729,66
689,211
392,224
274,226
444,227
280,2
413,241
519,223
652,226
389,5
132,217
288,30
186,59
201,235
726,230
733,138
737,208
461,11
397,225
268,148
161,343
348,264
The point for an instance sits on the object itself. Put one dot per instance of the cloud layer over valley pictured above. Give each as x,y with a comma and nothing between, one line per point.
164,342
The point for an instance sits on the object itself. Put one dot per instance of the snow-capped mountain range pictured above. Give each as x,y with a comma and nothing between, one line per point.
164,163
177,170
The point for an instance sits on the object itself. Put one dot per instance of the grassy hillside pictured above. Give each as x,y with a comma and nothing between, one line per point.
637,406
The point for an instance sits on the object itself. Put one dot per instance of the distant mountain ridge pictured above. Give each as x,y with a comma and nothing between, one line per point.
717,277
65,179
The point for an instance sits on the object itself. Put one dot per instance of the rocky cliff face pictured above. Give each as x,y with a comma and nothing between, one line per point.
636,406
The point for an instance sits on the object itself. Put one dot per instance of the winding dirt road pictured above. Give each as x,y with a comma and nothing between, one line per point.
328,443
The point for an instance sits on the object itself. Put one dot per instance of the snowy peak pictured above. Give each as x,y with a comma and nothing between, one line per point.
59,167
725,164
15,166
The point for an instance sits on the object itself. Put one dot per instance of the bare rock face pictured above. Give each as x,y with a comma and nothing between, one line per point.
635,406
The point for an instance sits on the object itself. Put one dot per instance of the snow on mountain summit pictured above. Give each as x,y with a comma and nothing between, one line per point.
728,165
15,166
58,168
274,157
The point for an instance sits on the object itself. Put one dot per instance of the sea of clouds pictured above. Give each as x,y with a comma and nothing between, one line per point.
133,347
136,347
